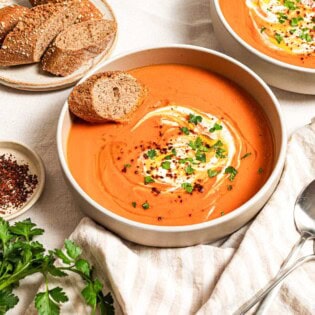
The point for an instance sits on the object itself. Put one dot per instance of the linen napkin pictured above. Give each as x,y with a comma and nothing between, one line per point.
216,278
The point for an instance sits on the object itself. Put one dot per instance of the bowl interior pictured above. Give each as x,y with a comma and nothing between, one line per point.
206,59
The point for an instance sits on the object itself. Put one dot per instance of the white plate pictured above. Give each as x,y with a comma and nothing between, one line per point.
32,78
24,155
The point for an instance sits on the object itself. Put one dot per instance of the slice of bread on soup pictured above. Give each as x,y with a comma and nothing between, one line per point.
109,96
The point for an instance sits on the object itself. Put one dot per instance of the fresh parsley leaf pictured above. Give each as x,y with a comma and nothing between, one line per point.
188,187
26,228
73,250
194,119
215,127
232,171
220,153
195,144
185,130
106,304
60,254
7,300
58,295
168,157
83,266
45,305
174,151
152,154
295,21
5,235
289,4
212,173
166,165
183,161
148,180
218,144
91,291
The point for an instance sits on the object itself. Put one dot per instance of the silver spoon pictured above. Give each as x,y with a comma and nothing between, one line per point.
276,281
304,216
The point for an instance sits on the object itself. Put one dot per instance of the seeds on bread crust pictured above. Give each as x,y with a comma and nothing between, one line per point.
108,96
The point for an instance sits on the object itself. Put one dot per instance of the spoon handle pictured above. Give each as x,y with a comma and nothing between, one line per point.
263,292
267,301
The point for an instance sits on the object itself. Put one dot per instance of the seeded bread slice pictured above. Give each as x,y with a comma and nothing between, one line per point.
108,96
32,35
88,11
76,45
9,17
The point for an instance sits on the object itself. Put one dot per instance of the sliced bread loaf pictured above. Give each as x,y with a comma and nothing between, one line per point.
29,39
9,17
109,96
88,11
76,45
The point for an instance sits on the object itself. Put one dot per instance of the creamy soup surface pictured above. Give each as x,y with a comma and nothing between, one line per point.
197,148
282,29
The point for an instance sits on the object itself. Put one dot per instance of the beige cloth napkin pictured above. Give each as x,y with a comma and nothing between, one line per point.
208,279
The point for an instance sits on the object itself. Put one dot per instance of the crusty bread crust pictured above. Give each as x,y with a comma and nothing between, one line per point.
82,104
9,17
61,59
29,39
88,11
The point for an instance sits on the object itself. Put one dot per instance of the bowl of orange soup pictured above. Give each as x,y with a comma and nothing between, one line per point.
196,161
276,38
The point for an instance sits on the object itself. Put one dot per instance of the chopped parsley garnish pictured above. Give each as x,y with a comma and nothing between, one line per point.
289,4
246,155
219,143
215,127
195,144
151,154
212,173
185,130
145,205
229,187
168,157
189,170
201,157
262,29
188,187
183,161
306,36
295,21
282,18
260,170
232,171
222,213
194,119
148,180
127,165
220,153
134,204
173,151
166,165
278,38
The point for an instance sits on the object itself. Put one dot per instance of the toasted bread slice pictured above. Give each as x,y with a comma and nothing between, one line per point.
9,17
76,45
27,42
88,11
108,96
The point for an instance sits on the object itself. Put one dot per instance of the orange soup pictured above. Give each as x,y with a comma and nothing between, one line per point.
196,149
281,29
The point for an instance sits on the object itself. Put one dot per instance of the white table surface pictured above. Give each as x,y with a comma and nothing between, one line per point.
32,117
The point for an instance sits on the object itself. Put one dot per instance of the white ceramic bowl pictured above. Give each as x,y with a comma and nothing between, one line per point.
174,236
274,72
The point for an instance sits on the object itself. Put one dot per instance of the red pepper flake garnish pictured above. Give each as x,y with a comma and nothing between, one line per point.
16,182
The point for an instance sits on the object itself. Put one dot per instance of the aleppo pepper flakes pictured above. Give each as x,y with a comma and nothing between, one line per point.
16,182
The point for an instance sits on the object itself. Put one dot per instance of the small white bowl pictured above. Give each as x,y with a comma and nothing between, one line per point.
25,155
175,236
276,73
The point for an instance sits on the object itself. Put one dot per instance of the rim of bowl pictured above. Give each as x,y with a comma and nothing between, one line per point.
254,50
180,228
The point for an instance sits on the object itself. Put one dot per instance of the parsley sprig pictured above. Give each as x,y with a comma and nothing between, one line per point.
21,256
